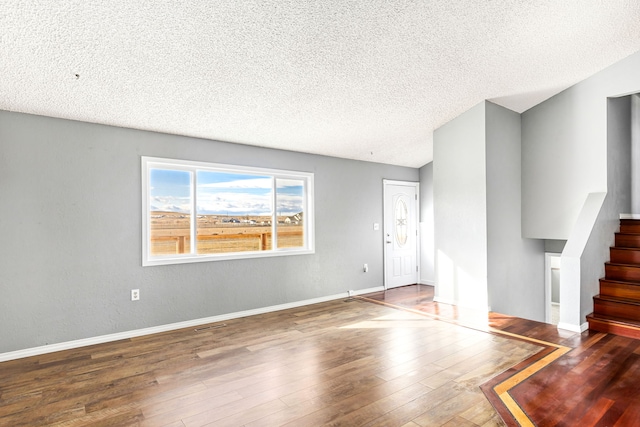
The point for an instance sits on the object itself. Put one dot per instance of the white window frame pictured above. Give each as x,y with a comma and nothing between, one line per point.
149,163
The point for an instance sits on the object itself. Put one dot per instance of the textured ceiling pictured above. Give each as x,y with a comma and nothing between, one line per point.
366,80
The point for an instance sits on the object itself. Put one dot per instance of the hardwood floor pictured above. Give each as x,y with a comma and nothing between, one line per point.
338,363
588,379
387,359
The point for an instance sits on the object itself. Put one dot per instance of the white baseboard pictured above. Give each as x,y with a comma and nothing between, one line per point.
573,328
427,282
366,291
69,345
459,304
444,300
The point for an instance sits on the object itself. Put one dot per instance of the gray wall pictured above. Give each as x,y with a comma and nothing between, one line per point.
427,257
576,293
460,210
482,260
568,153
564,150
635,154
515,265
70,205
554,246
618,201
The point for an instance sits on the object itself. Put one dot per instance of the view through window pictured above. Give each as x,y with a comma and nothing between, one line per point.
199,211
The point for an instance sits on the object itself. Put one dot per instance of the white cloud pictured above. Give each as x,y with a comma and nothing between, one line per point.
255,183
235,203
288,183
289,203
251,197
171,204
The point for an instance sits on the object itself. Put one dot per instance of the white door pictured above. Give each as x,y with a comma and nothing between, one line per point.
400,233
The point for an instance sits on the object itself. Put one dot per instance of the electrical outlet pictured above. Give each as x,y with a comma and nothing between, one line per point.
135,294
365,268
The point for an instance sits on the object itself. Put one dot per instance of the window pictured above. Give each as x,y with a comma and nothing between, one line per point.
194,211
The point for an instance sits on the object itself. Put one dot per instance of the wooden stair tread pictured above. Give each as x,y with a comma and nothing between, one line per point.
627,226
613,319
615,299
627,240
611,326
617,288
617,264
622,282
625,272
624,255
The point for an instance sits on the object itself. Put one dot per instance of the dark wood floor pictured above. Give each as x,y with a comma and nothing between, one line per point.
389,359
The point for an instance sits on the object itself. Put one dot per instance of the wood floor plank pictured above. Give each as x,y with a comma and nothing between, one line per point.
479,414
416,407
286,415
447,410
457,421
596,412
188,405
374,407
336,388
247,416
630,417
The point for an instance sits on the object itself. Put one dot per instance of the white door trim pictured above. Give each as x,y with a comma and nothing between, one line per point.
385,183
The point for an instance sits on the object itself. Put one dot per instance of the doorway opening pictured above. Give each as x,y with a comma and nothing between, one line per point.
552,287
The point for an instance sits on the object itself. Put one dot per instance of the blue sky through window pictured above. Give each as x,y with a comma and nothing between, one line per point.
222,193
233,194
289,196
170,190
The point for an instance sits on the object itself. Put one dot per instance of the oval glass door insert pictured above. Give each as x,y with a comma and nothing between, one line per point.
401,213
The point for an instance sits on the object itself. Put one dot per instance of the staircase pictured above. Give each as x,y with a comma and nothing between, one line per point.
616,309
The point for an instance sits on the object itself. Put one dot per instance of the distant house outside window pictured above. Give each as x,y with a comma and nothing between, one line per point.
196,211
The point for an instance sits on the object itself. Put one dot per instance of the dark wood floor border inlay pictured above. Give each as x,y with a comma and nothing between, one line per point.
497,389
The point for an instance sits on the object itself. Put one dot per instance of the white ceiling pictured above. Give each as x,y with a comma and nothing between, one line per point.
366,80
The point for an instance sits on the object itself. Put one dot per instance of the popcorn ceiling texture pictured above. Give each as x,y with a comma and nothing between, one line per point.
367,80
